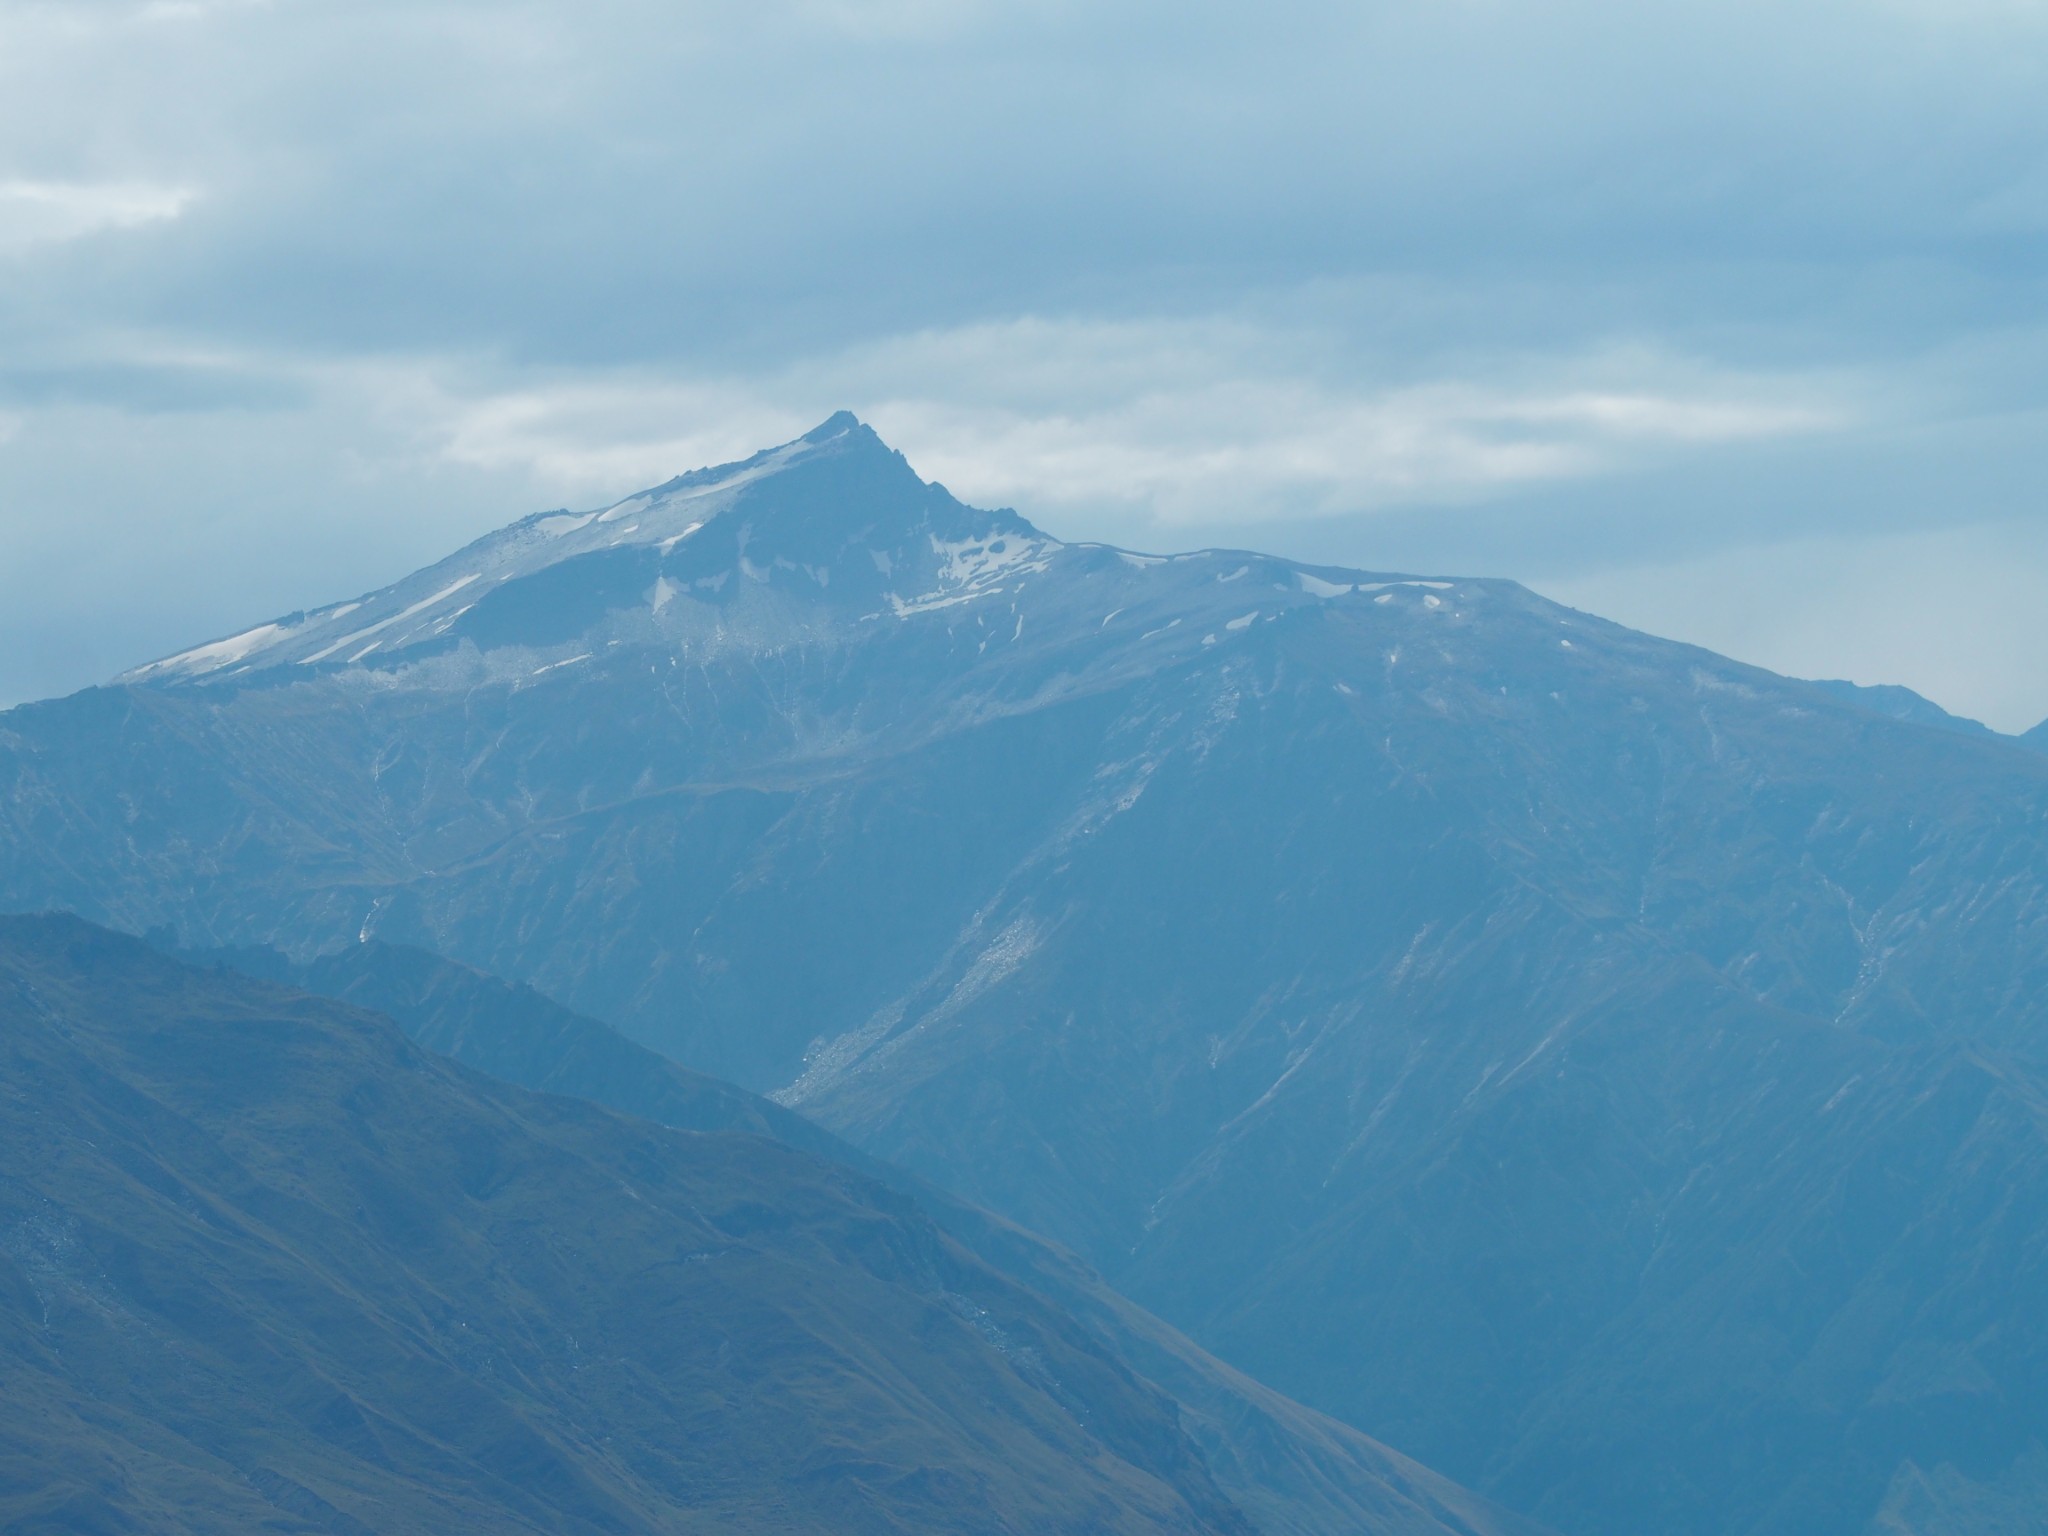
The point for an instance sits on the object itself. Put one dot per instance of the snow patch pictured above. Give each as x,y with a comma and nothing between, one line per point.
220,653
978,562
383,624
1315,586
1244,622
630,507
972,568
903,607
570,662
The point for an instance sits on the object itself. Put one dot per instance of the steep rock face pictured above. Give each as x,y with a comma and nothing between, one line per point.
262,1262
1377,975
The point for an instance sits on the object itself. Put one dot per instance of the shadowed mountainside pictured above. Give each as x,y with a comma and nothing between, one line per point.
265,1264
1292,1471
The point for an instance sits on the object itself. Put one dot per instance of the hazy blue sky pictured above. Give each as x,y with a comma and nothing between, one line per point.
1725,319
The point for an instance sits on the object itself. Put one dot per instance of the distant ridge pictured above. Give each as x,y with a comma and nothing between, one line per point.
1904,704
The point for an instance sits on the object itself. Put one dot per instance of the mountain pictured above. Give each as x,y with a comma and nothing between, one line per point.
267,1265
727,561
507,1030
1291,1471
1602,1070
2037,738
1903,704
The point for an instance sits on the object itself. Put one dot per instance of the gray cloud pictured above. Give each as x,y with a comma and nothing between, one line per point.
294,294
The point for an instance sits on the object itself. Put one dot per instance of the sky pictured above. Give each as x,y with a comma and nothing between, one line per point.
1727,319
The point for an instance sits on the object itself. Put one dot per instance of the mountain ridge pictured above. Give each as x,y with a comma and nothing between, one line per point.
1372,975
630,549
1292,1472
1903,703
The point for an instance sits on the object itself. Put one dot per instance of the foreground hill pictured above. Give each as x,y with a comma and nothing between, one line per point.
1598,1068
268,1265
1292,1471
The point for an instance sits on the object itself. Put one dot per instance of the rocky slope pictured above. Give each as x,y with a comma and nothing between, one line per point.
1420,993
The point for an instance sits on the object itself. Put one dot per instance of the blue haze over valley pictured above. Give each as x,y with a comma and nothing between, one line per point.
1365,851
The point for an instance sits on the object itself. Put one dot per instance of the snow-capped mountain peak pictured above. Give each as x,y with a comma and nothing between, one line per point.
834,504
810,542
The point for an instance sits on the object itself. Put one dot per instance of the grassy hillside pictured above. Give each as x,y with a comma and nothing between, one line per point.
267,1265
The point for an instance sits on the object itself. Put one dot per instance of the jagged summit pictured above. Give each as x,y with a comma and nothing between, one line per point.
838,424
842,439
835,517
810,542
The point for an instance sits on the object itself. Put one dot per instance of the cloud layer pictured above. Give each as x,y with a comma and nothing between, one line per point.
295,294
